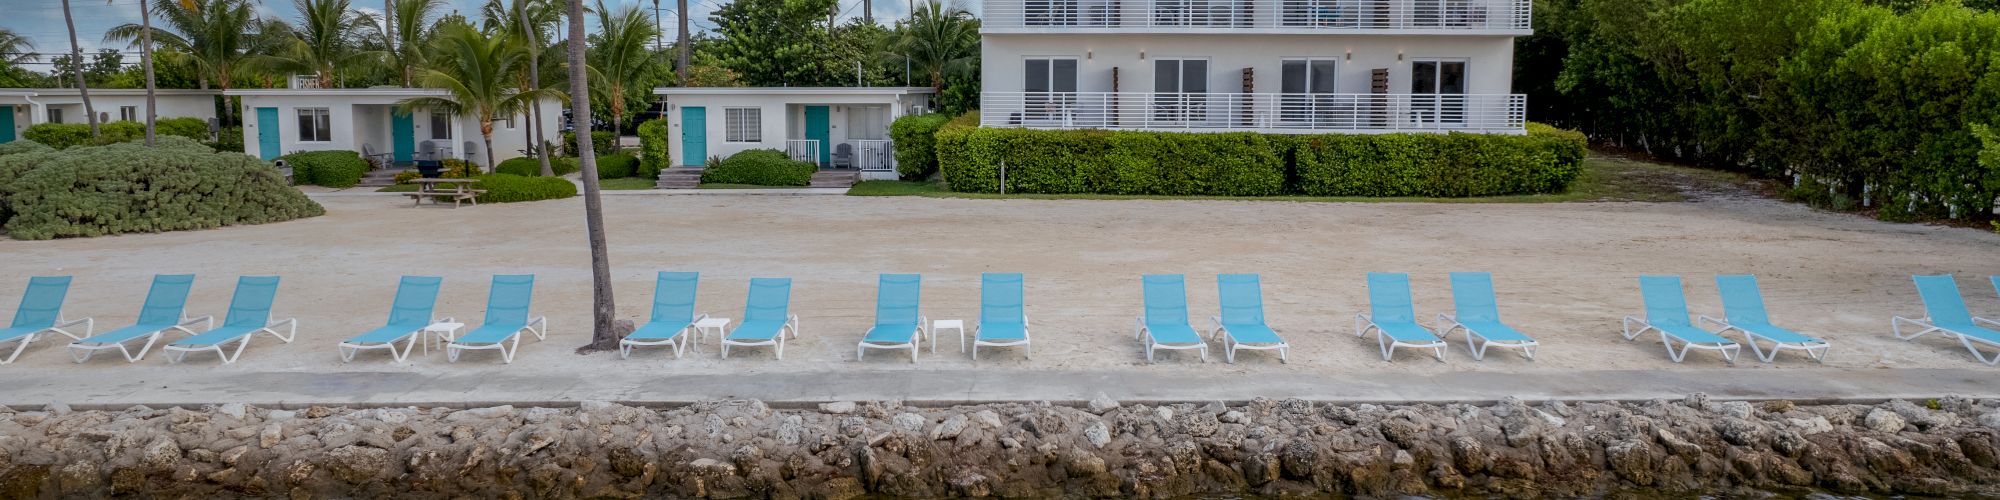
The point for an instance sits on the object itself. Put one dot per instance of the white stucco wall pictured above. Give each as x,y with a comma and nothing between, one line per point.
782,117
31,106
1490,59
363,117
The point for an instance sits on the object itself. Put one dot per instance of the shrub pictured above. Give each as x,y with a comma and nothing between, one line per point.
22,146
530,167
130,188
762,167
508,188
230,139
15,164
406,176
175,141
457,169
1443,165
601,141
67,135
617,166
654,153
334,169
58,135
915,137
189,127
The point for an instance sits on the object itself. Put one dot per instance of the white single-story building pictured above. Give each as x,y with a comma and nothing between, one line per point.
835,127
277,122
22,108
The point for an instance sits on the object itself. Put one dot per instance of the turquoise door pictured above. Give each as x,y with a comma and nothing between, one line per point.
403,136
694,135
267,134
818,129
6,124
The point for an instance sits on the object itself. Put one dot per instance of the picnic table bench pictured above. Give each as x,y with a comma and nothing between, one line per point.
458,190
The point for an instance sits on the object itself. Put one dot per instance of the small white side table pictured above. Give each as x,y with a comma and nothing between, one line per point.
953,324
701,328
439,332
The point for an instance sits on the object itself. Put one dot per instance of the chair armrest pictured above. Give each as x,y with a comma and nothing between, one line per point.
88,325
209,320
540,333
793,322
1361,324
1138,327
1446,323
1705,319
292,325
1215,327
1986,321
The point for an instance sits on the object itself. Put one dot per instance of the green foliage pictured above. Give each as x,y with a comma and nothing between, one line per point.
454,168
16,159
67,135
23,146
175,141
530,167
601,141
654,154
130,188
508,188
406,177
58,135
617,166
771,43
1246,164
762,167
334,169
230,139
915,137
192,128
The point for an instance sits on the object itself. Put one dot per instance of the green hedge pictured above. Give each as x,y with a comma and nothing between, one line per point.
762,167
23,146
131,188
334,169
188,127
68,135
530,167
602,141
230,139
58,135
915,137
1248,164
617,166
654,153
509,188
16,159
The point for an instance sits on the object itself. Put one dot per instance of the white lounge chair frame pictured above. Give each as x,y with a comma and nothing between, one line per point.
1814,350
61,326
1362,324
923,330
680,341
778,341
1145,335
1230,345
1729,351
1027,336
90,349
1896,325
349,349
177,353
1477,343
507,346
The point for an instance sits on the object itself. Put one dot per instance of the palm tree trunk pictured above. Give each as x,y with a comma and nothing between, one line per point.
146,58
534,82
486,133
681,63
603,334
76,66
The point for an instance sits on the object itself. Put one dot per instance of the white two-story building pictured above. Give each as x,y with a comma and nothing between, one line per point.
1275,66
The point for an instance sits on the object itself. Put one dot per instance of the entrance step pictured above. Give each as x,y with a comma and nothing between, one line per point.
383,177
832,179
679,178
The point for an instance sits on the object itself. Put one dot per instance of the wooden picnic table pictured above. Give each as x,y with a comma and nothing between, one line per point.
458,190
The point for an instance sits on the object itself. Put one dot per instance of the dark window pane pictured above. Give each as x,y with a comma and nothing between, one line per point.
1451,79
1292,80
1194,76
1423,77
1038,75
1166,75
1322,77
1065,75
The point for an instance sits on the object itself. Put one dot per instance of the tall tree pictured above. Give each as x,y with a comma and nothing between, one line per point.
526,19
146,59
76,56
212,36
476,70
681,63
329,35
619,60
16,49
773,43
603,332
406,35
939,41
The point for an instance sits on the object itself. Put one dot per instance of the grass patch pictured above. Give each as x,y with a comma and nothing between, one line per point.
1604,178
710,185
626,183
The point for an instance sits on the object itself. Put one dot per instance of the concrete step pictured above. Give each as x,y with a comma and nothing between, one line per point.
382,177
835,179
679,178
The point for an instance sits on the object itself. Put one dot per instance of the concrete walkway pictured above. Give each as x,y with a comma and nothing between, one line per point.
474,385
723,192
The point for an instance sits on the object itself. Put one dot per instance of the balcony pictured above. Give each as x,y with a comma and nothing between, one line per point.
1268,113
1481,17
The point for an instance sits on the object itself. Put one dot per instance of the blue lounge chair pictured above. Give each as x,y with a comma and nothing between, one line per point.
416,298
1165,322
249,314
673,316
766,317
1003,314
165,303
1478,313
1743,311
1945,311
41,311
507,316
1667,313
1394,317
898,323
1241,324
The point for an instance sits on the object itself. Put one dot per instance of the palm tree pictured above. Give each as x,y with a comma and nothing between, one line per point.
329,36
938,41
211,36
76,57
15,49
408,34
476,71
620,61
527,19
266,36
603,333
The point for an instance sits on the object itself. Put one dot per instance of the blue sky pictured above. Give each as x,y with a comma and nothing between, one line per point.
42,20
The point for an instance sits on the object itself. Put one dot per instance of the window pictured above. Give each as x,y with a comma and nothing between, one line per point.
1438,86
1308,87
440,125
315,125
1179,88
128,113
509,120
743,124
1051,88
55,115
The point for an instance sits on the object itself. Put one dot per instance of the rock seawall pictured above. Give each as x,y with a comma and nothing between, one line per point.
745,449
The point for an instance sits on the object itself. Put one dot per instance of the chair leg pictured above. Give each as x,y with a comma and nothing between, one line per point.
1969,346
23,346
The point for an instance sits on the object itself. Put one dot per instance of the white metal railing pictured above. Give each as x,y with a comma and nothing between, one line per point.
873,154
1285,15
1360,113
805,150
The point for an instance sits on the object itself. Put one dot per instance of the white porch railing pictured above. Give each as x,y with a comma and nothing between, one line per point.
873,155
1280,113
805,150
1242,15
